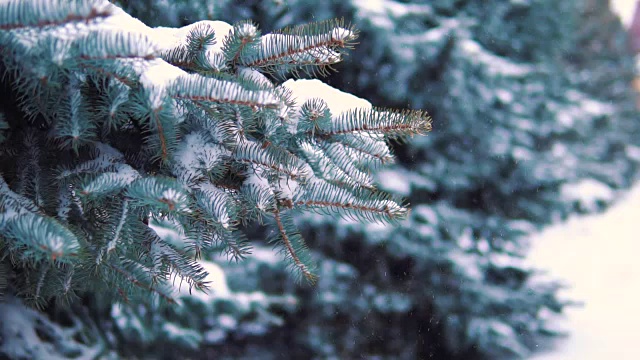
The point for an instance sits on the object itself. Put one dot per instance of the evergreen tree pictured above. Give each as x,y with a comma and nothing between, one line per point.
131,153
535,121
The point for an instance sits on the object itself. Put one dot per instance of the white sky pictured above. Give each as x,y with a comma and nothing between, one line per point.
624,9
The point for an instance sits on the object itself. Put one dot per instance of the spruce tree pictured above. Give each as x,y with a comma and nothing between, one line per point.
130,154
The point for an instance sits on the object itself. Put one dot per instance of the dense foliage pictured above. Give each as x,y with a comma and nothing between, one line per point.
535,121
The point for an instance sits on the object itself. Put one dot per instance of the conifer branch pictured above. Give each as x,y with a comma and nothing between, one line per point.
104,159
314,115
64,203
74,127
323,167
43,237
235,245
30,174
368,149
209,63
113,108
159,117
117,235
342,159
186,268
259,201
19,14
193,55
359,205
132,279
180,57
313,47
13,204
164,149
128,79
294,252
44,270
199,88
241,42
199,38
218,205
161,194
392,124
109,182
113,45
271,158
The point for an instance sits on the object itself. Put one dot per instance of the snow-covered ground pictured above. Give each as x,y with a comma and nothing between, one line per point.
599,256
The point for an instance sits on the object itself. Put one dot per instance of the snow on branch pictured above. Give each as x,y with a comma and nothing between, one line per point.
186,126
17,14
312,47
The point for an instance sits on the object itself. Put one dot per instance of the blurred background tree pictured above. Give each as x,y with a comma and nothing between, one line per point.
534,119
